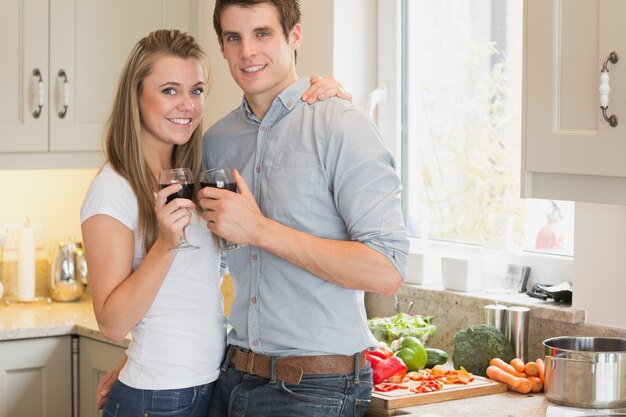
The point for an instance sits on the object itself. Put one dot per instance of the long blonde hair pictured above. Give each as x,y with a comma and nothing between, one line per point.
122,138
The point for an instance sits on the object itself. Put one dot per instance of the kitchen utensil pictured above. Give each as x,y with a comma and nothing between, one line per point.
68,272
560,292
587,372
495,315
517,330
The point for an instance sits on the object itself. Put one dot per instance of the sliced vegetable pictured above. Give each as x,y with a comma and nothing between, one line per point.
385,350
390,368
378,353
373,359
388,386
429,385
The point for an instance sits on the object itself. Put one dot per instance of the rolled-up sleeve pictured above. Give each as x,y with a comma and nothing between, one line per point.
367,188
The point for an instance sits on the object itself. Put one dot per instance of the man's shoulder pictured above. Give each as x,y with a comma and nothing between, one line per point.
335,111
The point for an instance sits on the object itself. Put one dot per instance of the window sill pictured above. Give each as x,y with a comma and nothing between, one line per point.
547,269
435,294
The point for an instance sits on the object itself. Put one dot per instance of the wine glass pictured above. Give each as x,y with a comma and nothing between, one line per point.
184,177
221,178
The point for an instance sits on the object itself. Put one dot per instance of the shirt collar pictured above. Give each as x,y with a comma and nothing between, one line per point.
287,98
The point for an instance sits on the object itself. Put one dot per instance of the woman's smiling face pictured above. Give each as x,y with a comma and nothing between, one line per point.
171,100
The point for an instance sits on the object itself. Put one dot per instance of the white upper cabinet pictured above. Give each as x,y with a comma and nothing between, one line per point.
79,47
570,151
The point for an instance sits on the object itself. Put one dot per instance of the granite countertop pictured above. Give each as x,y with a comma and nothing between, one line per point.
507,404
41,319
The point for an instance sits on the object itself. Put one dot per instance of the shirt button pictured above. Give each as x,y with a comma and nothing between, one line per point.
254,343
258,170
253,299
263,128
254,257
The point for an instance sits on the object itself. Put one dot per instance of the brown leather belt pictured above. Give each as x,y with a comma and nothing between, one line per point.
290,369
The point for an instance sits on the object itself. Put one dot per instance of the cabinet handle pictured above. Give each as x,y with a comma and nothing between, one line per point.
40,93
65,94
605,89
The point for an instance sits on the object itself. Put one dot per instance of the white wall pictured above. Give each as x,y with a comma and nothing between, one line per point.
339,40
599,261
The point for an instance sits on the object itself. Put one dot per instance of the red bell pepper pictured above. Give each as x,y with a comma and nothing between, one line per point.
373,359
388,386
386,350
391,368
378,353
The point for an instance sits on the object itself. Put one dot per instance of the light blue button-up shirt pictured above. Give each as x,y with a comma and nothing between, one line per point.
322,169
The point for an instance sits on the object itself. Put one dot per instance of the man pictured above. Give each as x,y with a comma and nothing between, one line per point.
321,219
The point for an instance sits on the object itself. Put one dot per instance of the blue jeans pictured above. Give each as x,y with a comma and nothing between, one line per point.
238,394
125,401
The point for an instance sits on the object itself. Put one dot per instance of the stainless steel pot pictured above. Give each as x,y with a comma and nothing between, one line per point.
586,372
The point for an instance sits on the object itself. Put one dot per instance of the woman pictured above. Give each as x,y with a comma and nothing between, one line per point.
169,301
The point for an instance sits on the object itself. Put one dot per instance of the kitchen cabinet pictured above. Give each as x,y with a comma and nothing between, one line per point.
35,377
60,63
569,151
94,360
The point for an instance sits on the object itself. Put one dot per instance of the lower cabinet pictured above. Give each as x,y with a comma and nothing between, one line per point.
94,360
53,376
36,377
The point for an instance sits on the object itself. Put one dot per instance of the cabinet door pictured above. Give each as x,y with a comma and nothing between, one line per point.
24,49
571,152
95,360
89,41
35,377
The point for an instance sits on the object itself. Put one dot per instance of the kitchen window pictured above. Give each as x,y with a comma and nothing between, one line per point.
457,110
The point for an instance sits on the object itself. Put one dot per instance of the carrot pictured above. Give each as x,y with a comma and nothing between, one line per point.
537,385
515,383
506,367
531,369
542,369
518,364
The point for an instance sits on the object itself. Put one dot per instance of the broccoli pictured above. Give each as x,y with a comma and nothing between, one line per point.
476,345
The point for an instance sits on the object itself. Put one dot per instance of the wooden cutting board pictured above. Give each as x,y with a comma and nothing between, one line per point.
386,403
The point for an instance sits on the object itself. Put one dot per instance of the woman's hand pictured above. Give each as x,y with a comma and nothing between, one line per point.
173,216
323,88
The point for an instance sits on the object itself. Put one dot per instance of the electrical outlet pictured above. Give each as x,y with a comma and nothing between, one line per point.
12,232
12,240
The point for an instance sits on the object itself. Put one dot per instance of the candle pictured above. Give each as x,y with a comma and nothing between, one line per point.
26,265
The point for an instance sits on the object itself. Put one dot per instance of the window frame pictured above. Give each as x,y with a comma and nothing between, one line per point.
546,268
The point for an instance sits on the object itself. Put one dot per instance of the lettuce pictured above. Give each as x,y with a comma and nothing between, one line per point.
388,329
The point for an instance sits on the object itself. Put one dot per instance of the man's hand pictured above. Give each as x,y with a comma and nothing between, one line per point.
235,217
322,88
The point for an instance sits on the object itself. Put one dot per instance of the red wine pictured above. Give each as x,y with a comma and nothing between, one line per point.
231,186
185,192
